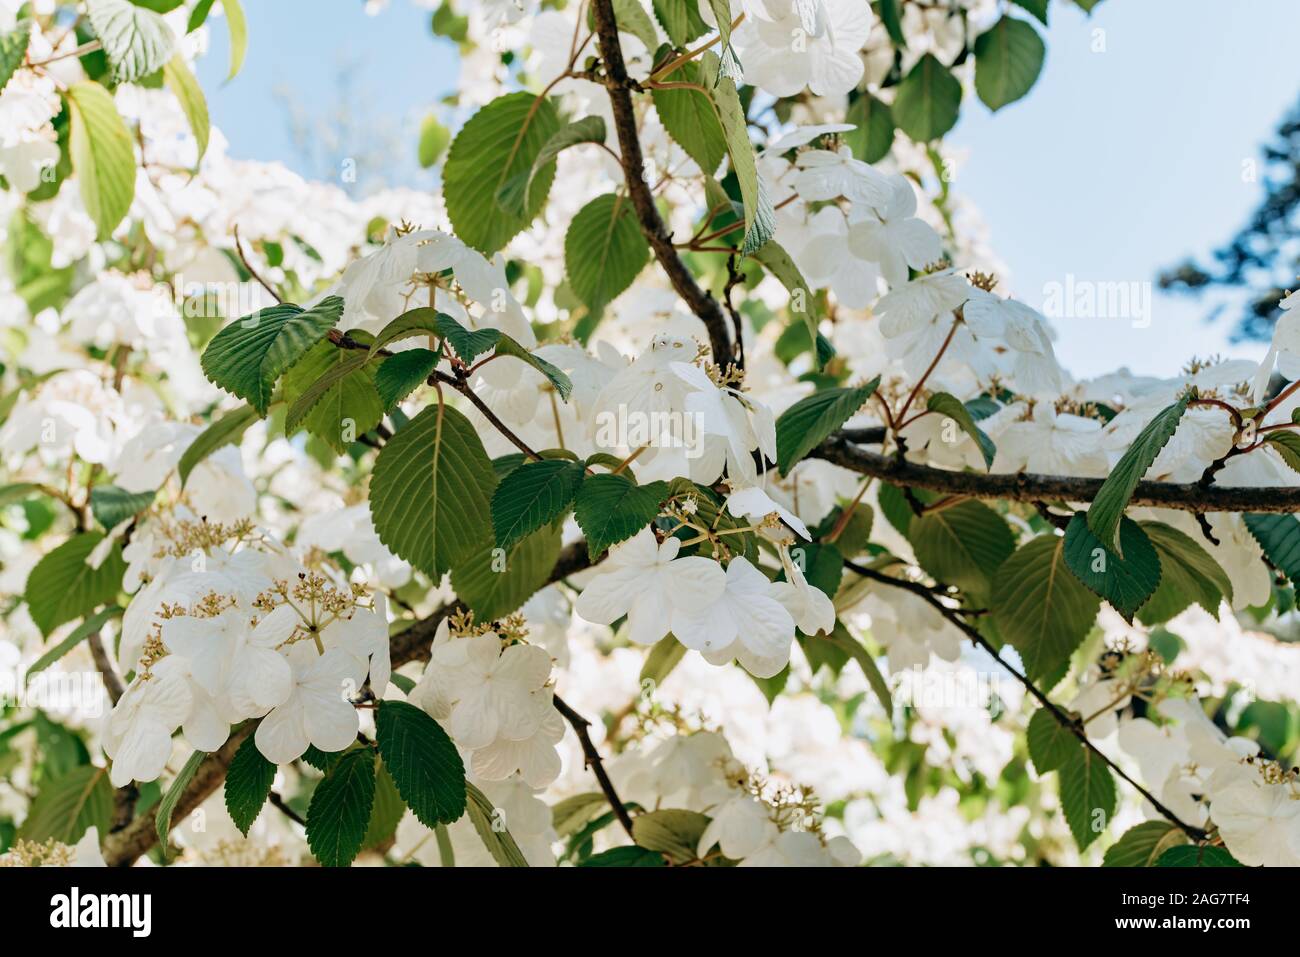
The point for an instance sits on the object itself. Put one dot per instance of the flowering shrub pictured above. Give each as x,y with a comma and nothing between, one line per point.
675,486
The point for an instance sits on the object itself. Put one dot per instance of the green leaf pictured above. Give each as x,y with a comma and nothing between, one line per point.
1088,796
167,806
387,811
227,429
248,784
1124,582
951,407
631,18
841,639
1197,855
469,344
1279,537
612,508
691,120
604,250
1037,7
1008,59
102,155
136,41
431,491
13,49
681,20
434,138
927,101
627,856
556,376
500,141
962,545
79,634
424,763
663,657
401,374
112,505
811,420
515,196
573,813
1051,744
1144,844
248,356
533,495
674,833
1286,444
1040,607
62,587
199,15
340,808
760,218
238,26
69,804
492,830
1112,498
1187,574
421,321
874,136
337,399
730,65
803,303
494,583
189,94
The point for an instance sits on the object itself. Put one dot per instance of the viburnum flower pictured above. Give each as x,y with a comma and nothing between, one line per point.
233,662
753,502
648,583
788,45
534,758
317,710
740,827
826,175
138,731
889,233
746,611
734,425
810,607
1031,361
1260,822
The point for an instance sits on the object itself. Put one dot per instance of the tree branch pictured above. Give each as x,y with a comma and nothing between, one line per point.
618,83
591,758
1071,723
1028,487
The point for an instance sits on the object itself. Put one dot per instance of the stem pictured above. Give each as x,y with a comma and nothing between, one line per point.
591,757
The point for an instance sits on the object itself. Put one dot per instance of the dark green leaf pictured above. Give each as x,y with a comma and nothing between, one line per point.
1088,796
62,587
248,783
612,508
340,808
533,495
808,423
1051,744
1124,582
112,505
1008,59
951,407
1144,844
926,104
424,763
604,250
225,430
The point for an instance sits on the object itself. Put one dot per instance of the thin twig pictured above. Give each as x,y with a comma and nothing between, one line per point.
591,757
239,248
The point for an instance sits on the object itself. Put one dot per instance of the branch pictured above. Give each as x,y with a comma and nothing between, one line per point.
1028,487
591,758
617,83
112,680
1065,719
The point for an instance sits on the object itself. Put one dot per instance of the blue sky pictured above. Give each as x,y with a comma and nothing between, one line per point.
1117,164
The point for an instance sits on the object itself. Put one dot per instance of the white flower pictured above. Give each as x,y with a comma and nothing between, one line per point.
912,305
810,607
648,583
317,711
754,503
791,849
234,663
1033,364
891,235
740,827
791,44
1260,823
534,757
746,611
138,731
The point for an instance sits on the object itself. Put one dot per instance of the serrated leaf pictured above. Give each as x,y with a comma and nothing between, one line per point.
386,812
69,804
927,102
493,584
13,49
949,406
1279,537
421,321
612,508
691,120
248,356
340,808
1144,844
760,218
112,505
811,420
1040,607
167,806
1124,582
248,784
424,763
1197,855
681,20
531,496
572,813
1286,444
672,832
803,304
431,491
336,395
401,374
515,196
1088,796
962,545
102,153
1112,498
1051,744
604,250
496,837
500,141
136,41
62,587
1187,574
183,84
79,634
873,137
230,428
627,856
468,343
1008,59
555,375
